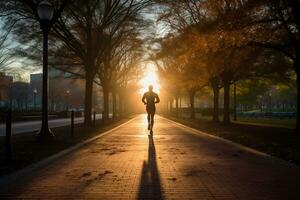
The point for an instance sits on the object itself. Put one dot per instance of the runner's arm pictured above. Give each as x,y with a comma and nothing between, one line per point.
143,99
157,99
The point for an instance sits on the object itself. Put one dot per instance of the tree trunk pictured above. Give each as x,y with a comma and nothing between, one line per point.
120,111
171,106
88,100
166,107
180,102
180,106
215,88
192,102
177,108
123,106
226,119
124,103
234,103
105,103
114,98
297,68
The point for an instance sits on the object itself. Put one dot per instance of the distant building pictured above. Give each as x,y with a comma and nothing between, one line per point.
5,86
20,95
36,78
64,91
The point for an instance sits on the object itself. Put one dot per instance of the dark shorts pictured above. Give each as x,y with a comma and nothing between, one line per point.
150,109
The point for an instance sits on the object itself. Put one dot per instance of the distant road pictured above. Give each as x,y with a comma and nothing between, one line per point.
25,127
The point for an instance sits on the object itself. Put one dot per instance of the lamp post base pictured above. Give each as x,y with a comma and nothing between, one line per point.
45,135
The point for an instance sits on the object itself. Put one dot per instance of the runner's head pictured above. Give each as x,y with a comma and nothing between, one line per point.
150,88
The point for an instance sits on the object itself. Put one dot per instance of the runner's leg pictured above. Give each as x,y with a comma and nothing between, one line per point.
149,120
152,119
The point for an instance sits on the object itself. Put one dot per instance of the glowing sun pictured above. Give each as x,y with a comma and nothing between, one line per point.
150,78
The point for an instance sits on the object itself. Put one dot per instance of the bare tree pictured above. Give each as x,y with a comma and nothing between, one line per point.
6,57
79,36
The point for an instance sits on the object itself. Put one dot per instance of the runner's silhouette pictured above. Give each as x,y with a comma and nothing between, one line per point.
150,98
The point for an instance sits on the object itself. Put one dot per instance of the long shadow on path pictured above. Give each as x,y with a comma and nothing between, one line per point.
150,186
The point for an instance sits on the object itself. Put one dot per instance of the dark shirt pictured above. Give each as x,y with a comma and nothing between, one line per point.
150,99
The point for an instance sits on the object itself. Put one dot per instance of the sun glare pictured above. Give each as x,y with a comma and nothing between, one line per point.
150,78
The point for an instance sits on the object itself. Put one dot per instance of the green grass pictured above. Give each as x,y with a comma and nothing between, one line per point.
286,123
277,141
27,150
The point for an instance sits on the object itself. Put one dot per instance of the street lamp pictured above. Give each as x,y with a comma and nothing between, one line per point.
34,98
68,96
270,98
45,12
260,103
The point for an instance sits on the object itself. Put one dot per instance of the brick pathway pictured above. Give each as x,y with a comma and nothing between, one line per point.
174,164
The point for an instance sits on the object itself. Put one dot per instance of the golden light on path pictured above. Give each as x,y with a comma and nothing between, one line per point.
150,78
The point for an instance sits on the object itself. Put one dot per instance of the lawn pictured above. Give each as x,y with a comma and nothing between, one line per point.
281,142
286,123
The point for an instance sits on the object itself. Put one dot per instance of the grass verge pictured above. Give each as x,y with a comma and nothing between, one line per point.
27,150
286,123
276,141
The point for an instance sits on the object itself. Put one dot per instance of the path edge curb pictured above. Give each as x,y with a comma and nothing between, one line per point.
18,175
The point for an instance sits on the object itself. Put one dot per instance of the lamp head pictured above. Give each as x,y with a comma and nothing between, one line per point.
45,11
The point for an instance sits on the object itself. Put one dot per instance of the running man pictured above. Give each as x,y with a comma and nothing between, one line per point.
150,98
